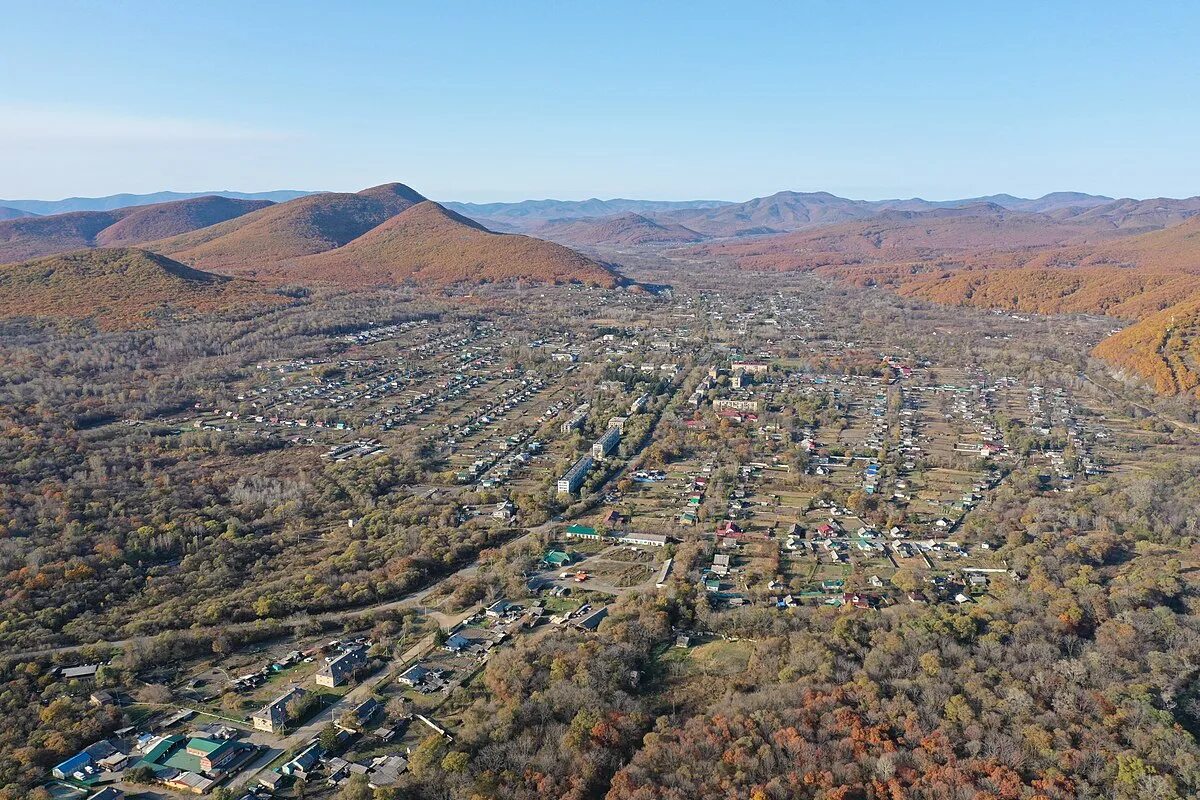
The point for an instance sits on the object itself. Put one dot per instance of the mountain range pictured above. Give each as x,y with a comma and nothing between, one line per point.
311,224
529,213
430,244
115,201
121,265
384,235
777,213
34,236
792,211
1065,252
1100,259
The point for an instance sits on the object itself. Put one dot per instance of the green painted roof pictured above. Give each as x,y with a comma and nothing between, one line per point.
556,557
159,750
184,761
584,529
205,746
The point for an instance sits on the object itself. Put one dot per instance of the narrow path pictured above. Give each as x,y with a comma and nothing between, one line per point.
1151,412
295,620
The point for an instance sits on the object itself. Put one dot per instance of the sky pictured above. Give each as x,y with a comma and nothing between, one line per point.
503,101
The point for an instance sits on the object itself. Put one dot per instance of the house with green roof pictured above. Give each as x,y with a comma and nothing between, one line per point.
582,532
159,752
556,558
194,764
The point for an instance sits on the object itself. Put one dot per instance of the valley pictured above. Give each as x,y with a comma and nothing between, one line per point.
376,473
599,401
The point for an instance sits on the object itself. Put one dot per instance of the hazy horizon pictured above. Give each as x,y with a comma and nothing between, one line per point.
624,100
580,198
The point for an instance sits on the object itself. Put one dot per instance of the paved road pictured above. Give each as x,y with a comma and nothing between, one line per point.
311,729
296,620
304,618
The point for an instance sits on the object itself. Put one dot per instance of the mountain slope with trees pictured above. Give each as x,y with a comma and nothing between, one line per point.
118,289
307,225
28,237
429,244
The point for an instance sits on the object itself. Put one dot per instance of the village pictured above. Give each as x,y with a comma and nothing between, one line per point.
751,446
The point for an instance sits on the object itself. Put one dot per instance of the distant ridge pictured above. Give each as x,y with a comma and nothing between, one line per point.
901,238
115,201
788,211
35,236
13,213
778,213
627,230
526,214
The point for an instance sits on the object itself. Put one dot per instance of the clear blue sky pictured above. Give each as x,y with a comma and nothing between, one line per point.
511,100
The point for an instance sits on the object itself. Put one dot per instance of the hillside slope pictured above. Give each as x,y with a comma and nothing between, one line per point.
1152,278
937,236
1129,278
33,236
1118,292
1129,217
147,223
432,245
13,213
307,225
117,288
1163,349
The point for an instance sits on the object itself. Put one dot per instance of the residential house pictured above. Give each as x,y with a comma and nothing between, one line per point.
498,608
593,620
364,711
270,780
304,762
647,539
456,643
339,670
386,771
414,675
612,519
858,600
274,715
